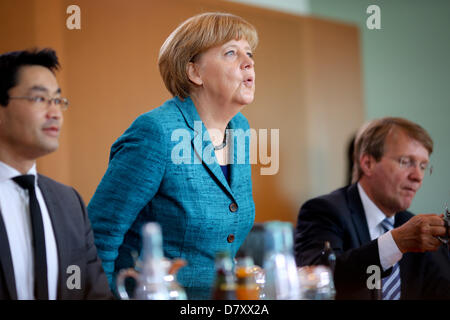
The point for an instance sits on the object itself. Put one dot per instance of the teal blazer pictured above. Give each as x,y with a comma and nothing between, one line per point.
163,169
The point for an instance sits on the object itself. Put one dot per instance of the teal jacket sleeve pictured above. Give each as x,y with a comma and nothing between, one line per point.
135,171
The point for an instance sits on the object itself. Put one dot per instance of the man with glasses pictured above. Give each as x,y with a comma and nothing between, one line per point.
46,243
383,251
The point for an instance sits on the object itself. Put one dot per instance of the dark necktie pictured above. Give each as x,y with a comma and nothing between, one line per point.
391,284
40,256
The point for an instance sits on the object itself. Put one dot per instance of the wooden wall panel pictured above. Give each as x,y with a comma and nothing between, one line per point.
333,99
308,86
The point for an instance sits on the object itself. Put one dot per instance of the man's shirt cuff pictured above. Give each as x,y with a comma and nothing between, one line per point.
389,253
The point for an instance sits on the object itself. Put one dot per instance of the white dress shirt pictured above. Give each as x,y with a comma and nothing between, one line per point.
14,207
387,248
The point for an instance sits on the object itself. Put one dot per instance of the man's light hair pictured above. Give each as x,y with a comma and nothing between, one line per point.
371,139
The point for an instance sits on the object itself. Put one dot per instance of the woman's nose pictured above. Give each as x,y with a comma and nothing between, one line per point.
247,62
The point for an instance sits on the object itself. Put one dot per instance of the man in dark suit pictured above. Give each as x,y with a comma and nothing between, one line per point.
46,242
383,251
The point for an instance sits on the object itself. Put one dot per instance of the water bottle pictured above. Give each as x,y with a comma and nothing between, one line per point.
151,284
224,285
328,258
317,282
282,282
176,290
246,286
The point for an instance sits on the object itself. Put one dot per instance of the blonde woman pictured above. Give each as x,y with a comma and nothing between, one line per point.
182,164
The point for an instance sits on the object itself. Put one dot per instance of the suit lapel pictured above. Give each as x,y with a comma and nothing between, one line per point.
400,218
202,145
405,266
237,168
357,214
57,225
6,264
205,150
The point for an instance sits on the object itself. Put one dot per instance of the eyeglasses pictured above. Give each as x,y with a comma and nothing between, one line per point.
43,102
407,163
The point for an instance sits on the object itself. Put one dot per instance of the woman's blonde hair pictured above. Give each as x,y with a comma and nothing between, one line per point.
194,36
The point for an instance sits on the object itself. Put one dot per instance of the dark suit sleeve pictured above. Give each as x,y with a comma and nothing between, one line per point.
96,282
321,220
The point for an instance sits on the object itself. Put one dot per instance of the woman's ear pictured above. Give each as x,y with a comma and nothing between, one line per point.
193,74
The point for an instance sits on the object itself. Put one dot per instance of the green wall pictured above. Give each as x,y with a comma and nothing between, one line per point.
406,72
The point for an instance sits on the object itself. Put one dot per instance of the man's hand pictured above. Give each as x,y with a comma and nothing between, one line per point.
446,219
419,233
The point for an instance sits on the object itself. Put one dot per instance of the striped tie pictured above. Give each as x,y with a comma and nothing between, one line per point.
391,285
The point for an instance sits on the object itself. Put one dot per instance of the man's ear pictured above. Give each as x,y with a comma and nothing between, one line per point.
366,162
1,113
193,74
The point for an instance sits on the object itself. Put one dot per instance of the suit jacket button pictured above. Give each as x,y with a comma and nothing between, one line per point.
233,207
230,238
